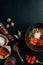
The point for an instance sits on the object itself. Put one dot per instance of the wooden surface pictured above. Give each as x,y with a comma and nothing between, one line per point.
24,13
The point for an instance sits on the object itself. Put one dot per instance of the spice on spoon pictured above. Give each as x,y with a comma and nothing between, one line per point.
17,50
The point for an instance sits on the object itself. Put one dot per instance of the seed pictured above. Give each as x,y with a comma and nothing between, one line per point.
7,26
8,19
12,23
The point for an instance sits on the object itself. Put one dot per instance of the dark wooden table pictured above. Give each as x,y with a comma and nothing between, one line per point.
24,13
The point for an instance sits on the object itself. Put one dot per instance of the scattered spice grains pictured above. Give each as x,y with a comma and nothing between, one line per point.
12,23
32,60
15,47
8,19
7,26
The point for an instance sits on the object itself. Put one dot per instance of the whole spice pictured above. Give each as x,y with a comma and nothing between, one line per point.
7,26
8,19
12,23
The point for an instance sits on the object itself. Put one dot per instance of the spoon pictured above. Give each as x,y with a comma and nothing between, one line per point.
17,50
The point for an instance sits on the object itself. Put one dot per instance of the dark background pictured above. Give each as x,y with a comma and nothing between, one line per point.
24,13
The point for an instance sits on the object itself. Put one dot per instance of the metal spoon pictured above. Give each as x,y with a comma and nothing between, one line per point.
16,49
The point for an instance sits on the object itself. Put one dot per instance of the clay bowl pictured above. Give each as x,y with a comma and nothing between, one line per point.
33,47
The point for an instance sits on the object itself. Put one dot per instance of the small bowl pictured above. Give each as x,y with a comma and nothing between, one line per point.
33,47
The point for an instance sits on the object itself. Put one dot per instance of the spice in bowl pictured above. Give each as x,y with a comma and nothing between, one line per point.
16,49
